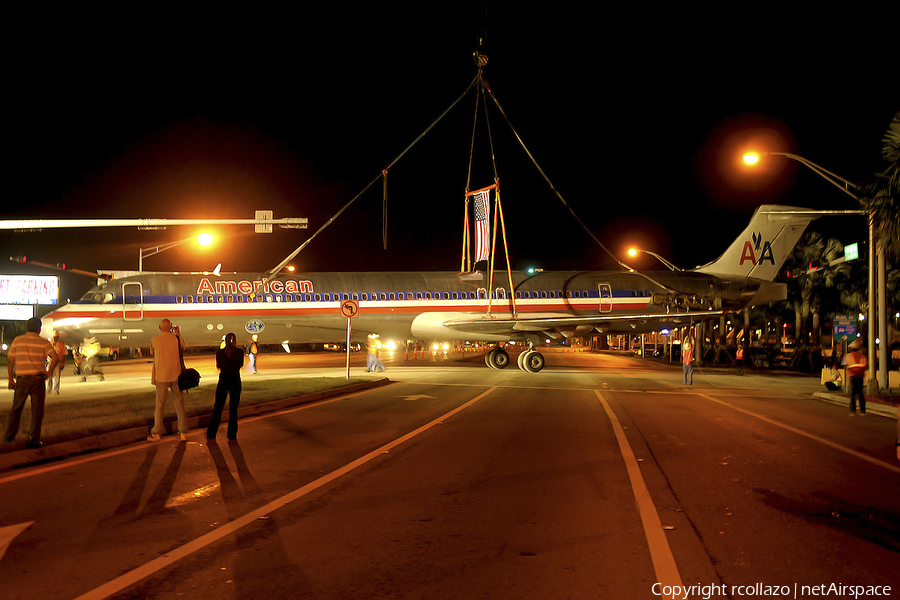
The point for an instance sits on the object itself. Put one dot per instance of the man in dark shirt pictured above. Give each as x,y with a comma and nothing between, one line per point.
229,360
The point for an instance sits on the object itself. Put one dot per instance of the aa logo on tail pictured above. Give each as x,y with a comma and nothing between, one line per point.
757,251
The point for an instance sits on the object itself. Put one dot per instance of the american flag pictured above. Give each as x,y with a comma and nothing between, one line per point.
482,225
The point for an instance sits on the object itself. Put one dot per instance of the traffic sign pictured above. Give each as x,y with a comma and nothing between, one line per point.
844,327
349,308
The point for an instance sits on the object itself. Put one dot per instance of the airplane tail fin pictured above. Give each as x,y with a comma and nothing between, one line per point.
765,244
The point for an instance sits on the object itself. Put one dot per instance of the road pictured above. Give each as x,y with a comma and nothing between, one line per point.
601,477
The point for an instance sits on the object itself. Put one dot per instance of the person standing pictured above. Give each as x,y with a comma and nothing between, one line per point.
27,370
739,358
252,351
687,361
373,344
60,348
856,363
229,361
166,349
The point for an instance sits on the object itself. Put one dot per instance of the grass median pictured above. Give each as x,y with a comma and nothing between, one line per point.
72,420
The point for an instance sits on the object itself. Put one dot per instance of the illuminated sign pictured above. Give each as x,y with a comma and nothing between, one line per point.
851,252
844,328
16,312
29,289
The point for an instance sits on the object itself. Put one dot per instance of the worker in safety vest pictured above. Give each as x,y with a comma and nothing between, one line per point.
252,351
687,361
373,345
856,363
739,359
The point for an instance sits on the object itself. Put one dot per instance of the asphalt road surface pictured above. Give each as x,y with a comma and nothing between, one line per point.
601,477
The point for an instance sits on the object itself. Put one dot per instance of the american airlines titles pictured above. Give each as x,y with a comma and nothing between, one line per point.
253,287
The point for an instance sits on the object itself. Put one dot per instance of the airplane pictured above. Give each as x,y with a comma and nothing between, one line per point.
304,308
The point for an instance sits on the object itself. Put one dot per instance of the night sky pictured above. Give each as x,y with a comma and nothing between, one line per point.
636,118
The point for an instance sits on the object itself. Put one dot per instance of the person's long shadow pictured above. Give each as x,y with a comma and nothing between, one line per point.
160,495
875,525
231,490
251,487
250,579
132,499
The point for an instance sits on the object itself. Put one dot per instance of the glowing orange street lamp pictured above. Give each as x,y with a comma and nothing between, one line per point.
204,239
635,251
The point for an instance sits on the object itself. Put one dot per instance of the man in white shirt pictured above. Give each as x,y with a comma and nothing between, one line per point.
166,349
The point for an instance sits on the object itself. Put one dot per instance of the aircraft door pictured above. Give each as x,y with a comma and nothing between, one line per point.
132,301
605,297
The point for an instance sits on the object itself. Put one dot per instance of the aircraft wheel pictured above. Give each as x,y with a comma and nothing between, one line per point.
533,361
497,359
520,361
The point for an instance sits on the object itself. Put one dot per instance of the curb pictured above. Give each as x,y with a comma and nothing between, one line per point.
872,407
123,437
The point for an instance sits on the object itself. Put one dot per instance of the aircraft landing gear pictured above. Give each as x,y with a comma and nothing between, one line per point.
497,358
531,360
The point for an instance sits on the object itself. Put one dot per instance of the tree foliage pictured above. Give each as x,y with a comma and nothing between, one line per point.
882,193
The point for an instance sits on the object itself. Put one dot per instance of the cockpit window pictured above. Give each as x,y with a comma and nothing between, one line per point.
99,296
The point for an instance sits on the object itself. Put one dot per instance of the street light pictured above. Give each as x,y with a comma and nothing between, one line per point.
751,158
635,251
204,239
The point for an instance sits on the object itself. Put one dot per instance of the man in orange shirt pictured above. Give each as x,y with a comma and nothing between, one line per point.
27,371
687,361
856,363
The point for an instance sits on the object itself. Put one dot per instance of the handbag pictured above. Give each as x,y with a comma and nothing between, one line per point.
189,378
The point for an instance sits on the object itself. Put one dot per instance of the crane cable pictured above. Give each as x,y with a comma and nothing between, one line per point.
490,92
382,175
498,214
560,196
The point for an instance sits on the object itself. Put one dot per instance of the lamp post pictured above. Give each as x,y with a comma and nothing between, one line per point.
204,239
669,265
751,158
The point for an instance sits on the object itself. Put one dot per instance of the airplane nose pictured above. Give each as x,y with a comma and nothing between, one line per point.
47,327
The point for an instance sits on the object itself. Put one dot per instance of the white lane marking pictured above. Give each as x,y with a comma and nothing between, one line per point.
660,552
9,533
136,575
811,436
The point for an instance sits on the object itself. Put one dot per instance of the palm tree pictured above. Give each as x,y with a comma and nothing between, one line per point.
882,193
825,281
807,292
